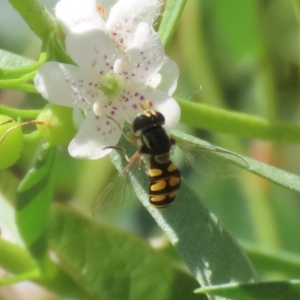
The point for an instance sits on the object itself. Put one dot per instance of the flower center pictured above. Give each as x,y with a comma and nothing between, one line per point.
111,85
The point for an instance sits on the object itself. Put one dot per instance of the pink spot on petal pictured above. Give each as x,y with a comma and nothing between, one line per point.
134,106
142,98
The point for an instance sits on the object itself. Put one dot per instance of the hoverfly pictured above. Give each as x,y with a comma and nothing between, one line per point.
164,176
154,147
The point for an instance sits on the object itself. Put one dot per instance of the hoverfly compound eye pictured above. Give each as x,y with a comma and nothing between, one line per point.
147,119
160,119
139,123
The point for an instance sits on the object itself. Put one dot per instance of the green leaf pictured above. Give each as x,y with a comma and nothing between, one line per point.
9,61
13,66
270,260
114,264
209,251
280,290
170,19
275,175
17,260
34,197
7,213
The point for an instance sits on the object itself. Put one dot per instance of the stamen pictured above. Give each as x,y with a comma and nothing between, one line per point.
101,11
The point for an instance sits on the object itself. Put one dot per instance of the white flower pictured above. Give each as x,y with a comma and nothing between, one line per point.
119,19
106,83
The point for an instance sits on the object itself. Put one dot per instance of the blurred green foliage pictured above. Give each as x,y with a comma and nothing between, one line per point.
237,55
244,56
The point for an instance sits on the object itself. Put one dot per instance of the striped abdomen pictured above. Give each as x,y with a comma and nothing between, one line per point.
164,182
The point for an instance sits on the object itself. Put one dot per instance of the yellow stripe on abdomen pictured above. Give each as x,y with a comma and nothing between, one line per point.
159,185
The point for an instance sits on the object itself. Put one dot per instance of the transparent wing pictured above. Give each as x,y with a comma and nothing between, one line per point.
211,160
113,196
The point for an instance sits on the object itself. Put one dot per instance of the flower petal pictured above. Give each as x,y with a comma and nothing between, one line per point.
159,101
169,73
126,15
66,85
112,109
170,108
74,12
91,49
144,57
94,134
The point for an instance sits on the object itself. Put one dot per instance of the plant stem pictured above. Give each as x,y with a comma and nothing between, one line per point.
19,113
11,83
215,119
25,87
8,254
170,20
36,16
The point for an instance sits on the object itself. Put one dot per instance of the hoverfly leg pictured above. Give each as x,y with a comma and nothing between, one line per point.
118,148
129,136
